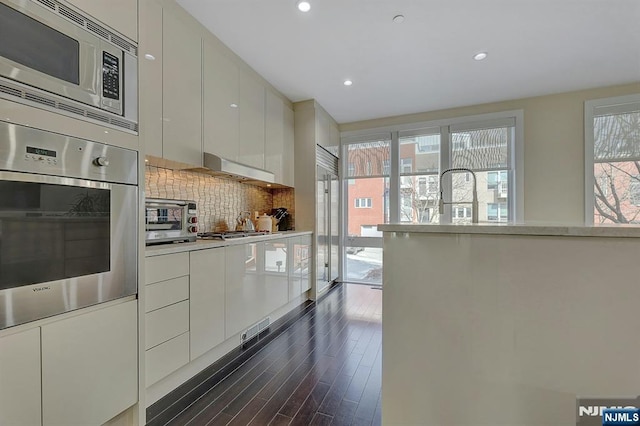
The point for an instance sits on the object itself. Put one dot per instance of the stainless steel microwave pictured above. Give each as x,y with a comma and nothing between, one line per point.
54,57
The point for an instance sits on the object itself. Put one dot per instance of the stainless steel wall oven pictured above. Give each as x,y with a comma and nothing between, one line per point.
68,223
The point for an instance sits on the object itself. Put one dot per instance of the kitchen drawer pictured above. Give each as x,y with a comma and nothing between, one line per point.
166,267
166,293
166,323
166,358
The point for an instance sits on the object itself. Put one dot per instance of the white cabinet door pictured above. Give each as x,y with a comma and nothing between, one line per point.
279,146
150,80
328,135
166,267
244,291
276,275
306,262
274,136
252,108
20,401
181,89
288,151
220,81
90,366
295,272
207,300
121,15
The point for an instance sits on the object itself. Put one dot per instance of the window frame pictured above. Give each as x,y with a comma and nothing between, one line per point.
444,128
590,108
368,203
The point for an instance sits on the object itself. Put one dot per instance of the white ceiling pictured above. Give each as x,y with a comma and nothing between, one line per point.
535,47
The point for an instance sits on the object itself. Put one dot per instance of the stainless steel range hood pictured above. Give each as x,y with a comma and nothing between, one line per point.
226,168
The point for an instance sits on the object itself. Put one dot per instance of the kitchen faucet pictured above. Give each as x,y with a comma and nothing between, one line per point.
474,201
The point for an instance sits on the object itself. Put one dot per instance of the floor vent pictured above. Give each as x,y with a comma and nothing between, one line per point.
255,329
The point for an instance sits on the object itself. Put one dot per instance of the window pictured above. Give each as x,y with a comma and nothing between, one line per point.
497,212
433,184
351,171
406,212
363,203
612,160
406,165
487,144
429,143
422,186
461,212
634,190
494,179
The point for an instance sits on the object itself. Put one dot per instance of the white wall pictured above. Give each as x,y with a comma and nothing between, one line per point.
553,147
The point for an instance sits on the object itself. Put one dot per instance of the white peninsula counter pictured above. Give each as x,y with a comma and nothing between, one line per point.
507,325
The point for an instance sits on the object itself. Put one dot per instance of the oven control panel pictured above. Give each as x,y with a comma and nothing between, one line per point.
29,150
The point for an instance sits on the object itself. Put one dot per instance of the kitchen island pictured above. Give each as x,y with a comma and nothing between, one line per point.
507,325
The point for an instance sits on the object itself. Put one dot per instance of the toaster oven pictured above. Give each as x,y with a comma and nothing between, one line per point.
168,221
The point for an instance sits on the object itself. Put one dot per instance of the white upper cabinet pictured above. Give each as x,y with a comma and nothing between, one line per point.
252,119
221,112
150,83
121,15
197,96
288,152
278,148
328,135
181,88
20,395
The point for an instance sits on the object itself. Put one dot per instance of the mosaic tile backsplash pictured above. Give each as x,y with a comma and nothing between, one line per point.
219,200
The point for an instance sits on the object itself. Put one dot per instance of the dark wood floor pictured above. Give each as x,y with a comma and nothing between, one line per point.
323,370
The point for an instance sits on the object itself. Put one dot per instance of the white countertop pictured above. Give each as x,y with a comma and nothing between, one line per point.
620,231
160,249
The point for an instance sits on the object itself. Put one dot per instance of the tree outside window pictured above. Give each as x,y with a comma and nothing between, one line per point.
616,166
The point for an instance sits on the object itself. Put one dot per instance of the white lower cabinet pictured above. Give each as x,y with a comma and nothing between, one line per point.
166,315
244,292
300,278
295,254
20,400
90,366
165,358
166,323
207,300
305,263
276,275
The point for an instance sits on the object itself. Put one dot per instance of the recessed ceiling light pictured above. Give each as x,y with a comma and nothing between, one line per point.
304,6
149,56
348,82
480,56
398,19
